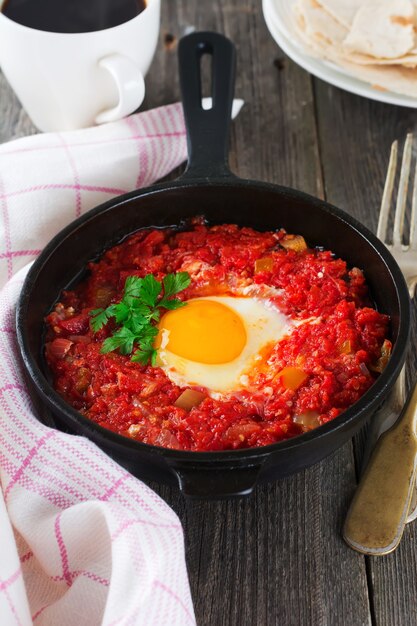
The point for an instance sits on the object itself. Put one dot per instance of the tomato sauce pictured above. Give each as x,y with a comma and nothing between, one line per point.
332,356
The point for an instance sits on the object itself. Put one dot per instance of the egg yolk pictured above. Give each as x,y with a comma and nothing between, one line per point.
204,331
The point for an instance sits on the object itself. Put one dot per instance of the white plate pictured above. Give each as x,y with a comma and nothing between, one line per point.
278,18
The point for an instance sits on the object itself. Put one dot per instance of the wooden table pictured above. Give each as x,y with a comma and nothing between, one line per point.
278,558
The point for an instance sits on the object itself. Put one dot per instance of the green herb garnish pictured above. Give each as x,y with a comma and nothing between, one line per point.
137,313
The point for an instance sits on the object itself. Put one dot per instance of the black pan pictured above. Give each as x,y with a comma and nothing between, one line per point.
209,188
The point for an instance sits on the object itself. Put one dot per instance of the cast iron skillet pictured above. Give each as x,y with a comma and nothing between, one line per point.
209,188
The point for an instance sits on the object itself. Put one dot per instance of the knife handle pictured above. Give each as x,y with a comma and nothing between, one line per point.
378,513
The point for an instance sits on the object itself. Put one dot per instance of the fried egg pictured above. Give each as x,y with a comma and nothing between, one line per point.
214,341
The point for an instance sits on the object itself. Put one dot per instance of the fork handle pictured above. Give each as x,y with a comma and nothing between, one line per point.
378,513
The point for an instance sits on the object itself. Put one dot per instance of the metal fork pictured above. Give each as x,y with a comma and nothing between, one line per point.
406,257
356,532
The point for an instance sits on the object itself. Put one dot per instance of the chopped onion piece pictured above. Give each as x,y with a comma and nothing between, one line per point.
308,420
381,363
167,439
364,369
189,399
294,242
80,339
83,379
264,265
58,348
134,429
386,349
103,296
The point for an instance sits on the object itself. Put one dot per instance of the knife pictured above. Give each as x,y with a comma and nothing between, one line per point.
378,513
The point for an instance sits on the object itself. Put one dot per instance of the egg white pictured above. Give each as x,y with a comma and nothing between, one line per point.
263,324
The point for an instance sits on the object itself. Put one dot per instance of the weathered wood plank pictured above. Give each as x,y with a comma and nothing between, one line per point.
278,557
14,121
355,137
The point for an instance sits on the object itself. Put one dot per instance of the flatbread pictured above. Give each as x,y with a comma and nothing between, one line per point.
309,22
324,36
320,25
386,78
382,29
342,10
409,60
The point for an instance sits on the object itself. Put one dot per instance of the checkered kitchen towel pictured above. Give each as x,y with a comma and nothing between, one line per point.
82,542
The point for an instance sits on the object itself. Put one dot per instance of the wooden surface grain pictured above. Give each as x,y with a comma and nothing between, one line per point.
278,558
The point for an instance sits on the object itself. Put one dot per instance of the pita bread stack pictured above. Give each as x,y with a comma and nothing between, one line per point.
374,40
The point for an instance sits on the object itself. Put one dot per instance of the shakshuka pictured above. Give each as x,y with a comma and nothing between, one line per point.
267,338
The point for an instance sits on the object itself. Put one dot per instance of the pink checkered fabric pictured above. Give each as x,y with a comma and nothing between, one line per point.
48,180
82,542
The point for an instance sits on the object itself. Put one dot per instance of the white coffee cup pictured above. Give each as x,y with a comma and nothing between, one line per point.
73,80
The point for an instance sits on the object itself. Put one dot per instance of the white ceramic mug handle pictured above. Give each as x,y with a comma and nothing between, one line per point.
130,85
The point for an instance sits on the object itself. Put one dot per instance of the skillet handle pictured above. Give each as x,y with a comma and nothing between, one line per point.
211,484
207,130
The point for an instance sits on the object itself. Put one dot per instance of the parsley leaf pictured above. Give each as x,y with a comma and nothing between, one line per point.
99,317
133,286
150,290
120,312
144,356
138,323
174,283
137,313
123,339
171,304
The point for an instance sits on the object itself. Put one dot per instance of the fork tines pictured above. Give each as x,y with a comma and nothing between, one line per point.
401,203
